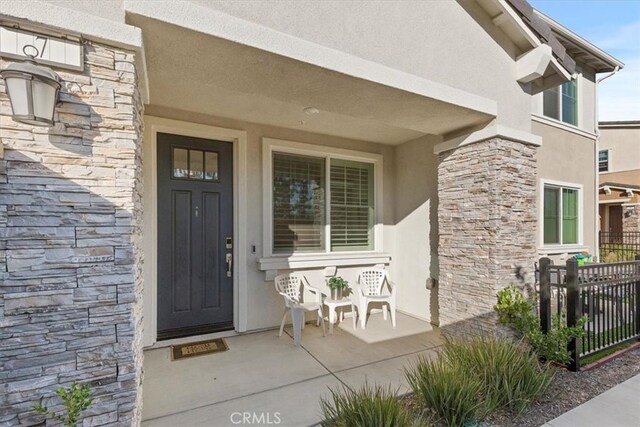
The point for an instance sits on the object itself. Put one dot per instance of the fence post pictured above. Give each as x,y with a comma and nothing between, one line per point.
637,292
545,294
574,311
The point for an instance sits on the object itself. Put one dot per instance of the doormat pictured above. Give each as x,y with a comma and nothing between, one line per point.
200,348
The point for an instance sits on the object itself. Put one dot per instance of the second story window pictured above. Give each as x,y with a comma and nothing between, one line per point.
603,161
561,103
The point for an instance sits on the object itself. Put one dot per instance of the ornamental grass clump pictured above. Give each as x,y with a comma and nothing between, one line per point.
473,378
445,389
369,405
511,375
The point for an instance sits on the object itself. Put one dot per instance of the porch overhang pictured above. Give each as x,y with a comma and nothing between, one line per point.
204,61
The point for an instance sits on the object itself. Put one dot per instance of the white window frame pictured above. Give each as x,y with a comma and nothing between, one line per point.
270,146
577,77
559,247
608,150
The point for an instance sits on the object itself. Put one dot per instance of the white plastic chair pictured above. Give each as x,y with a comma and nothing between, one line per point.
298,295
370,288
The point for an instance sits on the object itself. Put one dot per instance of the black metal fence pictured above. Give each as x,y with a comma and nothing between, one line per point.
619,246
608,294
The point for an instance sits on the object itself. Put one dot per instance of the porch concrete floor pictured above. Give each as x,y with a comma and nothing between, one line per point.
262,373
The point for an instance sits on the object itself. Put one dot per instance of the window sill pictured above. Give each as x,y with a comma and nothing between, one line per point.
562,125
561,249
293,262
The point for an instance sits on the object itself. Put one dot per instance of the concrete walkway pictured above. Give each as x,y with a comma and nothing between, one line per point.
617,407
263,379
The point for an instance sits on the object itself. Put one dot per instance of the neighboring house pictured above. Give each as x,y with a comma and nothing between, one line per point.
201,148
619,169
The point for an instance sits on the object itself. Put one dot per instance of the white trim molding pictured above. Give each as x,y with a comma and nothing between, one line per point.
334,259
271,261
562,125
491,131
153,126
532,65
561,248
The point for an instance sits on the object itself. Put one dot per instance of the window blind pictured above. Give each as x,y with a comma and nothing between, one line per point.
351,205
298,203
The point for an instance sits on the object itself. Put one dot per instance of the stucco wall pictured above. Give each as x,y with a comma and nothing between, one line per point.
569,157
440,41
415,254
264,305
627,177
107,9
624,144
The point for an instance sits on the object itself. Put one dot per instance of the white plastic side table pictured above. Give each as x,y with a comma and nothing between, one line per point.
333,305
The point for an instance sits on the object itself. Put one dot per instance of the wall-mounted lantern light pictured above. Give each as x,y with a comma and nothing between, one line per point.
33,91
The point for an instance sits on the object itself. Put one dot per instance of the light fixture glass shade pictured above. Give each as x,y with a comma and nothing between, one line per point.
44,99
33,92
19,103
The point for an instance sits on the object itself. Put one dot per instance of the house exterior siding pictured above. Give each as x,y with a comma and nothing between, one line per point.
457,223
622,140
568,157
70,240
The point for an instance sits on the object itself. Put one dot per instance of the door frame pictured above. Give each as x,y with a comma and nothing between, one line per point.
152,126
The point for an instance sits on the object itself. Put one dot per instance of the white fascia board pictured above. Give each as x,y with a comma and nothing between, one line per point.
80,24
489,132
228,27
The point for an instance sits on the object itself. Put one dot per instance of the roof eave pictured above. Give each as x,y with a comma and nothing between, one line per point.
598,54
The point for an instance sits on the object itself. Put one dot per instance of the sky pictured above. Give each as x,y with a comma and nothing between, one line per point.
614,26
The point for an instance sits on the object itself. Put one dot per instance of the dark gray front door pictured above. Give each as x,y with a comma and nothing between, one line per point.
195,230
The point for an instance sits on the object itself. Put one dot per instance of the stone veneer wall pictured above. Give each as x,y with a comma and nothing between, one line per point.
631,218
70,246
487,217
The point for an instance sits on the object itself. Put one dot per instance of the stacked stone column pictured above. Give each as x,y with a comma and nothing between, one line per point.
487,219
70,246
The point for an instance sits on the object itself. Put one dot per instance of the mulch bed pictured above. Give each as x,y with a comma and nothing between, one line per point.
570,389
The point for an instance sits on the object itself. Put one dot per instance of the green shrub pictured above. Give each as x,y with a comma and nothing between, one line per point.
445,388
368,406
511,376
515,310
76,399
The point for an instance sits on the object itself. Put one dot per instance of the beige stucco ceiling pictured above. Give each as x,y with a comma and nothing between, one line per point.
191,71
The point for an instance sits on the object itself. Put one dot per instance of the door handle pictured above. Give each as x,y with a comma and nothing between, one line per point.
229,260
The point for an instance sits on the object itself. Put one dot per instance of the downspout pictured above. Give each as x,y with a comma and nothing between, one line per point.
596,148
